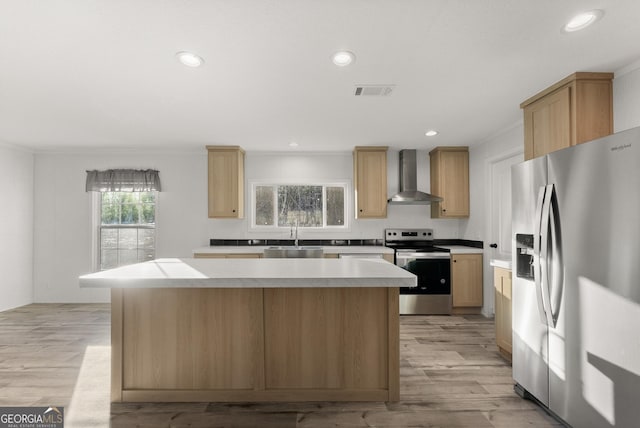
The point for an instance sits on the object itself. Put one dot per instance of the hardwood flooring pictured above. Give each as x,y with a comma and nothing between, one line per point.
451,375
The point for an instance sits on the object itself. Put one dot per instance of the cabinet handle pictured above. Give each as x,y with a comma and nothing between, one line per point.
455,261
494,245
444,210
360,210
233,210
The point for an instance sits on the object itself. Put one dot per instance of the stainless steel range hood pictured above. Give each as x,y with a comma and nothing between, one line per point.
409,193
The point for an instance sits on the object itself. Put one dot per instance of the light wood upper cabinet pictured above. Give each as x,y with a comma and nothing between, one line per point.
370,177
502,285
226,182
466,280
577,109
450,181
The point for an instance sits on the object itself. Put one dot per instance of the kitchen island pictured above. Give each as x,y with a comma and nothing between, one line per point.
254,329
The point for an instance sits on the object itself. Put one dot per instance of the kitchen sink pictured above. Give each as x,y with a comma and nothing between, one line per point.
293,252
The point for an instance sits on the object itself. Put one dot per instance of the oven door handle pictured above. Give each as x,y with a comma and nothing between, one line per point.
422,256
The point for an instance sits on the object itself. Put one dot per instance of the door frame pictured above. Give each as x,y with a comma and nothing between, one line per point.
489,306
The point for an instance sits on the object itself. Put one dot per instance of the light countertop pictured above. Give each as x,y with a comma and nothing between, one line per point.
501,263
252,273
328,249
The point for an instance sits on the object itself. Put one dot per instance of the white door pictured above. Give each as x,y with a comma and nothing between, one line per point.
500,208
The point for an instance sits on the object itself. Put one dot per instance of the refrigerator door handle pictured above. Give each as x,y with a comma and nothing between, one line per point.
537,273
544,253
555,284
548,255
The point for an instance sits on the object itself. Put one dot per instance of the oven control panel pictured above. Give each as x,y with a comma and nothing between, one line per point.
394,235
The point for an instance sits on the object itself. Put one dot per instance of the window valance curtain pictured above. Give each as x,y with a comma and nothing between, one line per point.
123,180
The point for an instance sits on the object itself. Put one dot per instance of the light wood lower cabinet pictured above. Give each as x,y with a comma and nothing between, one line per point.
315,340
168,342
466,280
254,344
502,285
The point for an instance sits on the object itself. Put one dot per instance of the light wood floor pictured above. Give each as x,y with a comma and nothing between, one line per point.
451,376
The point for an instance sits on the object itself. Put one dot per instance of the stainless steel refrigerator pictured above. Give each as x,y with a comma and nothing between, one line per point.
576,281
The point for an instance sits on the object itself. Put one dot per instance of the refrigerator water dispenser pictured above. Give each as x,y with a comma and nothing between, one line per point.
524,256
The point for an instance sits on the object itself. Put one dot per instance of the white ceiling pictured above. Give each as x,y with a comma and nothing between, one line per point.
102,73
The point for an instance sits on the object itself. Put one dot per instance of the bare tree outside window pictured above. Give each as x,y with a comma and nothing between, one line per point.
264,205
127,228
300,205
314,206
335,206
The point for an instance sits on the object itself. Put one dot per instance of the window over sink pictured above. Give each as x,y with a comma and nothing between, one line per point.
318,206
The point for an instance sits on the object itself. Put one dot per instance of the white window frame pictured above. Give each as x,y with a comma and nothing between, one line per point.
346,184
96,209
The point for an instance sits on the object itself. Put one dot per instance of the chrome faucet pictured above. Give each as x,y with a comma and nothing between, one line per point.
292,235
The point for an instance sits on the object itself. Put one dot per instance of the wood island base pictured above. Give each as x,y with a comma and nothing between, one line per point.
255,344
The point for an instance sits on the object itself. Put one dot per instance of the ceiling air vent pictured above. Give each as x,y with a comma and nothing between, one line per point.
374,90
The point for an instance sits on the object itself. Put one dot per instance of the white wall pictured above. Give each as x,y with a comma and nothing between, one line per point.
478,227
63,210
626,97
62,225
16,227
288,166
626,112
63,215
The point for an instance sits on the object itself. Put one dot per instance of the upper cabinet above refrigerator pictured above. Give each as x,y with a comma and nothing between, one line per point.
577,109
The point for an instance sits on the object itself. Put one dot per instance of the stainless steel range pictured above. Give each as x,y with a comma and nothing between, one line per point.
415,252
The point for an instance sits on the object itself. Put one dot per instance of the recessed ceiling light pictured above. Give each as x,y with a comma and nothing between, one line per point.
190,59
293,144
583,20
431,133
343,58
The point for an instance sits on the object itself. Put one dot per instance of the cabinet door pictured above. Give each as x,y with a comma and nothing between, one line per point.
507,331
370,173
577,109
594,110
466,280
502,284
547,124
455,184
192,339
226,183
499,310
450,181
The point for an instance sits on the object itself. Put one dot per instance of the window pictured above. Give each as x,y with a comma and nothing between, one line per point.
127,228
320,206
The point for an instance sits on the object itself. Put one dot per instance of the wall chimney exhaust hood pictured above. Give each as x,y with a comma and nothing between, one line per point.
409,193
